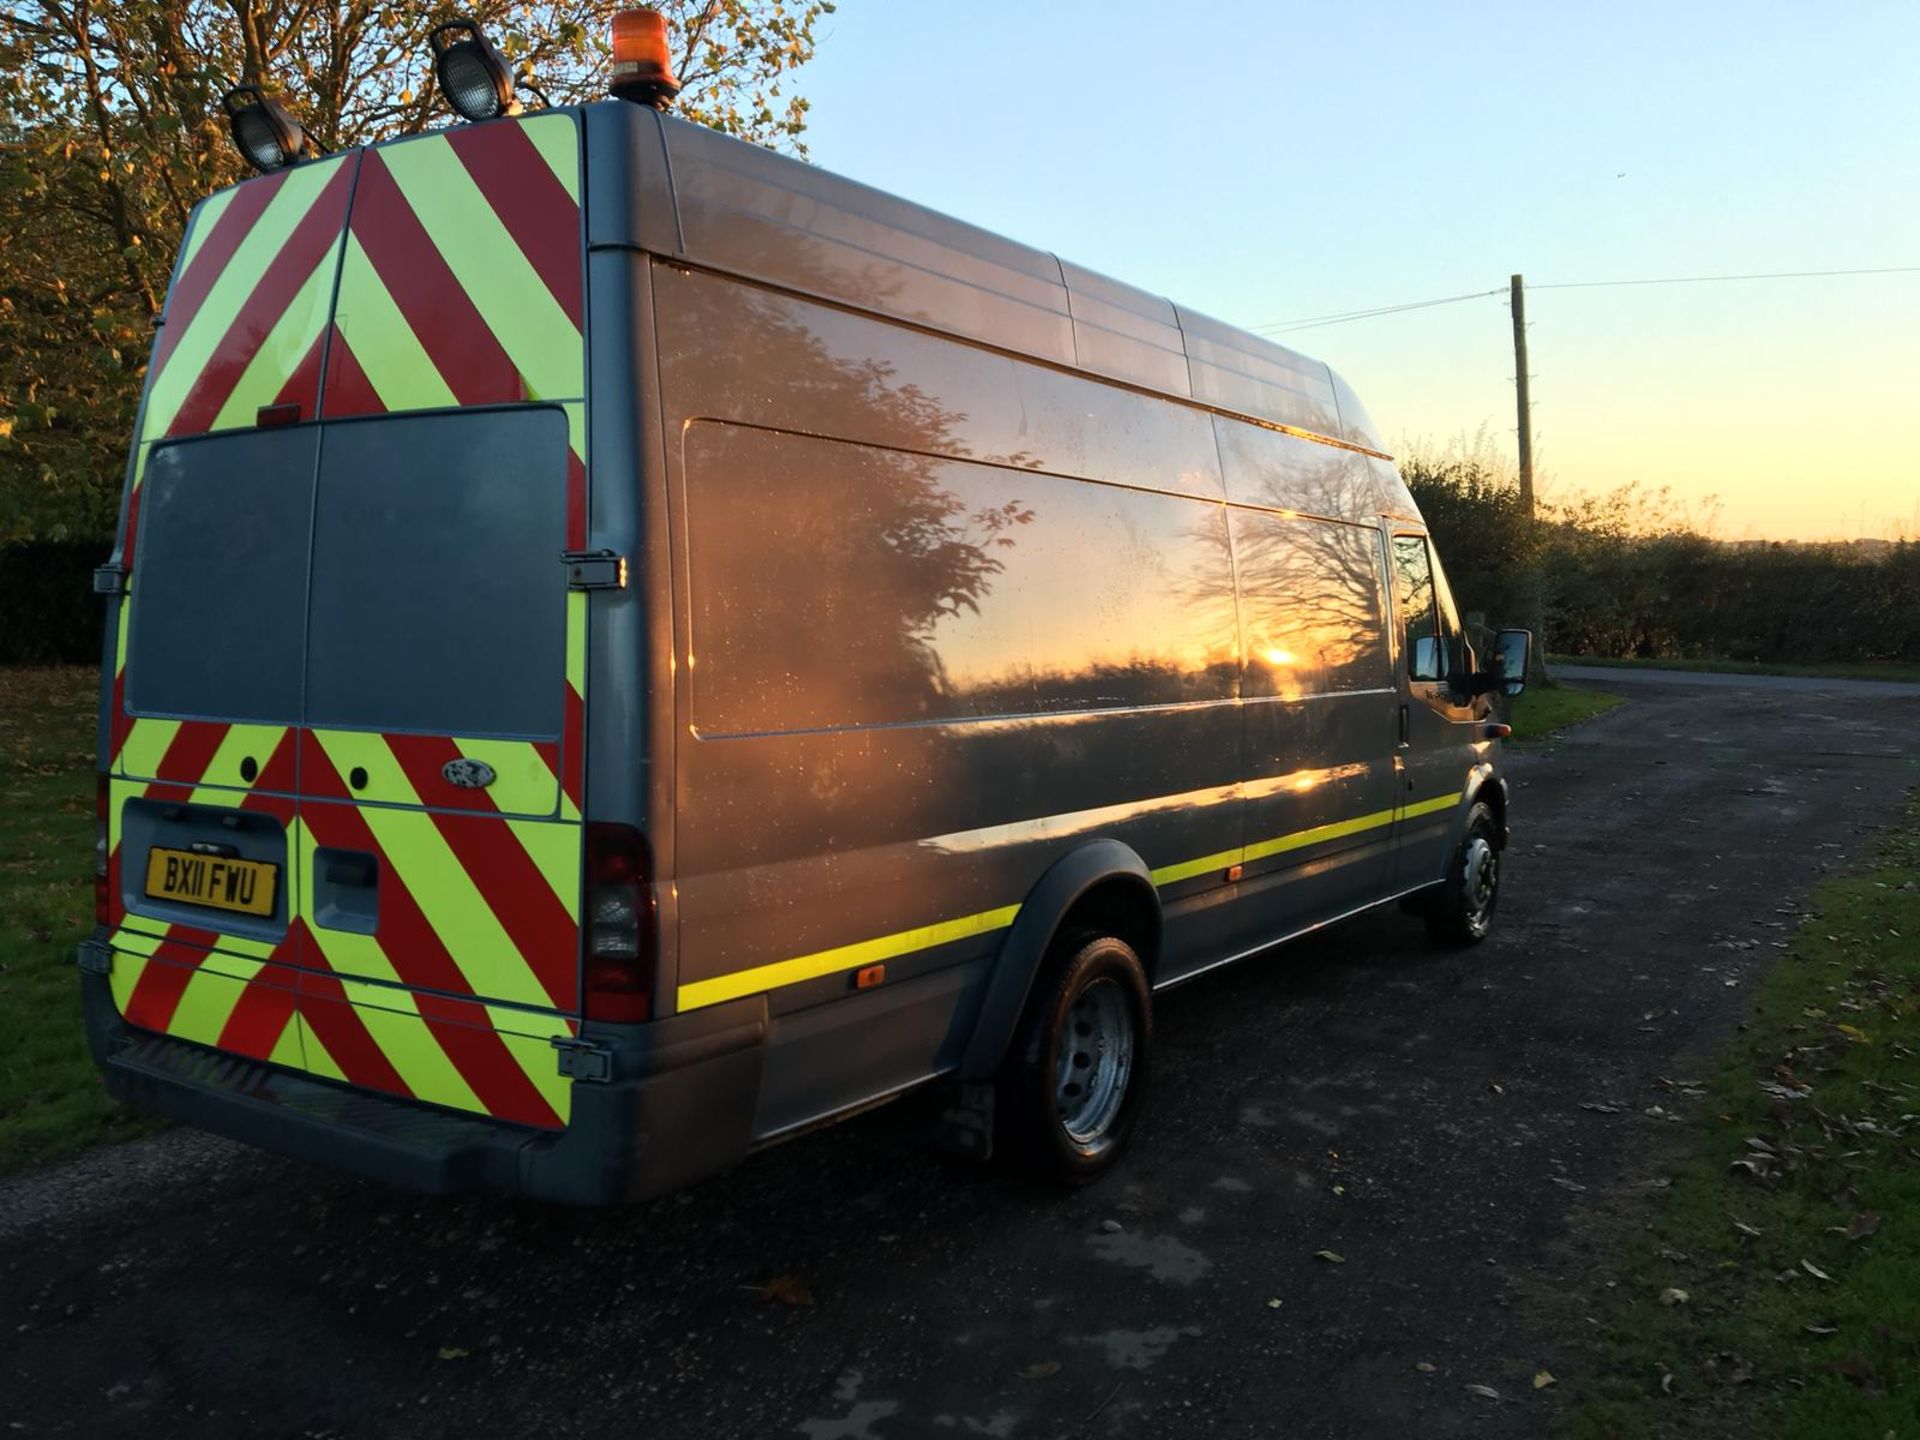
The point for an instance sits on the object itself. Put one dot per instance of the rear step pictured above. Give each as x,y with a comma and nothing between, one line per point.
396,1142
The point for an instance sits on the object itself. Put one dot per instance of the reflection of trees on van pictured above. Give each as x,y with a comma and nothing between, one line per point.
1310,604
869,578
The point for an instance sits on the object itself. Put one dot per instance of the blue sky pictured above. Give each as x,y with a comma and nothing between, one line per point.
1264,163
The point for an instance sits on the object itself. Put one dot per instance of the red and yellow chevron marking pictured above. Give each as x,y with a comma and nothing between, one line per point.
457,261
461,280
248,312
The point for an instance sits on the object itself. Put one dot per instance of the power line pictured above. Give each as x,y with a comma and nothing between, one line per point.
1314,322
1310,322
1713,279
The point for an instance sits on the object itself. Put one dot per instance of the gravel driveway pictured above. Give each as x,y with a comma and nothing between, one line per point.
1446,1125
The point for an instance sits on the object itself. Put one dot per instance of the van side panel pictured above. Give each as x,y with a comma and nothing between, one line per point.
914,678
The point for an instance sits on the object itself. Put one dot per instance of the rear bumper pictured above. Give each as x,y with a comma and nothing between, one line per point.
678,1105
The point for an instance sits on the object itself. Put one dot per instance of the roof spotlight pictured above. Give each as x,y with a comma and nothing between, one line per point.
642,63
263,131
473,75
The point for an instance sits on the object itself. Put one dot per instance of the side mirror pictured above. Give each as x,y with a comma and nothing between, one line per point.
1512,657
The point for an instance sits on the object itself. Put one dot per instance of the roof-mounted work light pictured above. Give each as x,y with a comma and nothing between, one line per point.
642,64
263,131
473,75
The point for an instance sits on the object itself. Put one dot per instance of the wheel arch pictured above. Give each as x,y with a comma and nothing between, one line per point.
1103,884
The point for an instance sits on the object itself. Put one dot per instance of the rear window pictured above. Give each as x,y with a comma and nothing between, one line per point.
439,599
220,577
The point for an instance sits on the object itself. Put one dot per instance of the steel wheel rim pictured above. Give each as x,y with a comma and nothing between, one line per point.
1482,879
1095,1061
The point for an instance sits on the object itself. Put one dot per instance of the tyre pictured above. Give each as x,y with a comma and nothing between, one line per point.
1460,911
1071,1090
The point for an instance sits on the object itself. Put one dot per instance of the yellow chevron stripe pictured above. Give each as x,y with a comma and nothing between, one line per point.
290,1049
555,852
558,142
522,782
147,741
534,1054
211,322
393,1021
280,354
243,740
499,279
438,882
205,216
129,964
886,947
208,1001
396,364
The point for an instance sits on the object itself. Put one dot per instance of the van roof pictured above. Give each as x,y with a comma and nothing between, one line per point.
717,201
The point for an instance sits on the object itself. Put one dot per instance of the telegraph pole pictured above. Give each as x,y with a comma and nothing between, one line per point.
1520,393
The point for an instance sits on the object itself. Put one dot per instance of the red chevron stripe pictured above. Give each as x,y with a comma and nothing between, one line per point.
573,746
156,994
506,877
435,305
191,751
303,385
542,218
190,291
340,1030
265,1005
316,232
419,957
348,390
576,502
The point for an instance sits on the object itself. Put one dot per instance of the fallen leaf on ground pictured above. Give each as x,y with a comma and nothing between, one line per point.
1485,1392
1274,1304
1822,1329
1425,1367
1862,1225
1814,1270
1674,1295
1744,1228
1542,1379
1041,1370
1332,1257
787,1290
452,1352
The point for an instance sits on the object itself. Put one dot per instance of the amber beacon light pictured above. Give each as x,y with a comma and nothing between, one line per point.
642,67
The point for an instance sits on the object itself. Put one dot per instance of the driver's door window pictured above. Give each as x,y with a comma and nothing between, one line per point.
1419,609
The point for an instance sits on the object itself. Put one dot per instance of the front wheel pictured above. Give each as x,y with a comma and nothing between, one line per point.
1460,912
1072,1089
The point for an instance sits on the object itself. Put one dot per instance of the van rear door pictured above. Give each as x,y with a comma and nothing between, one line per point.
345,735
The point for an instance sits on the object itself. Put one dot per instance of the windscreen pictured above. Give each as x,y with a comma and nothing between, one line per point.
439,599
220,582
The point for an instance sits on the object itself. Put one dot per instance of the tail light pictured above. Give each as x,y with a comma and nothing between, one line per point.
102,799
619,929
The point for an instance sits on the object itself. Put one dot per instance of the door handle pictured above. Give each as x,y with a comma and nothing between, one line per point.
1405,725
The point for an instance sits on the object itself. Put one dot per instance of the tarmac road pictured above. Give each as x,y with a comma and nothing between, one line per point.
1417,1113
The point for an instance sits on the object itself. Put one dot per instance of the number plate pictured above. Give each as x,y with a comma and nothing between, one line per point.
213,880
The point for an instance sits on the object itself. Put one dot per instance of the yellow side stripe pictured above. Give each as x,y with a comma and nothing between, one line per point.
905,942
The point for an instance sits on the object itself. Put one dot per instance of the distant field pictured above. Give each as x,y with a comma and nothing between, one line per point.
1544,709
51,1100
1888,670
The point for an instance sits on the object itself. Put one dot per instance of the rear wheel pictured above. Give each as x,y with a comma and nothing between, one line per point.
1071,1091
1460,911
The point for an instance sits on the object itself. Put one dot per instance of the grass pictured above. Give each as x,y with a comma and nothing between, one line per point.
1794,1226
1879,670
51,1100
1542,709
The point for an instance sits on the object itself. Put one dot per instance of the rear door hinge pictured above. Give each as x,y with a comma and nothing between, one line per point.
583,1059
110,580
595,569
95,957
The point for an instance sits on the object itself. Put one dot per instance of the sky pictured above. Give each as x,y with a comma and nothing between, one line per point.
1266,163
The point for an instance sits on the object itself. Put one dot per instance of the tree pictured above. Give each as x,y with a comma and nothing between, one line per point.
110,131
